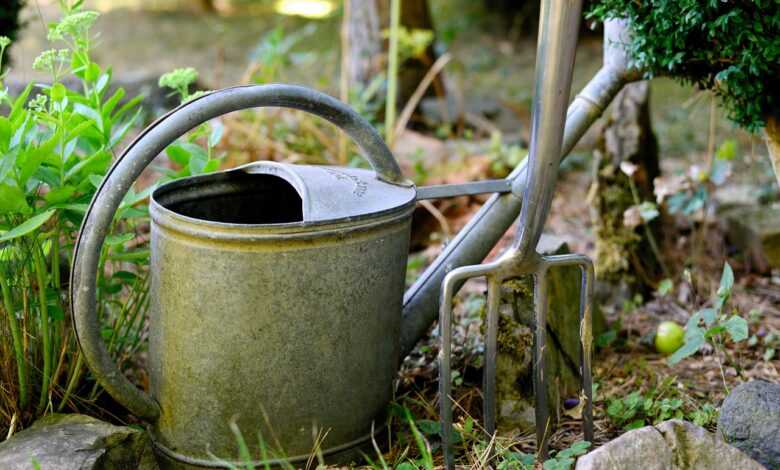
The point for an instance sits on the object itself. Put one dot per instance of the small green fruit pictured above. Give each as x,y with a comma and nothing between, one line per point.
669,337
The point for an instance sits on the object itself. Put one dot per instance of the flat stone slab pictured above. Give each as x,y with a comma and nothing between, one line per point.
77,442
671,445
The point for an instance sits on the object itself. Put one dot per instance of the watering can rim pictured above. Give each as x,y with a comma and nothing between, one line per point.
389,200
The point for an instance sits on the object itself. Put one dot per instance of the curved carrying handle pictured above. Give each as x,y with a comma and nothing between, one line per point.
137,157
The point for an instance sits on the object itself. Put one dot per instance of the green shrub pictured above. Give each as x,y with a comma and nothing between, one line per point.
55,148
731,47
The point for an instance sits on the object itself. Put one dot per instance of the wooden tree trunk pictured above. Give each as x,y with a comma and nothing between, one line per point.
624,253
367,48
772,139
364,41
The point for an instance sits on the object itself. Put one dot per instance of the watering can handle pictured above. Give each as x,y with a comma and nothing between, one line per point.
137,157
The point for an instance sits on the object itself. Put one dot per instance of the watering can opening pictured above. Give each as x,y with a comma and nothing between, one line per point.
234,198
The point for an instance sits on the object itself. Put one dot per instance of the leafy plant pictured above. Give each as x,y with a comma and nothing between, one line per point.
190,156
564,459
711,325
55,150
705,415
504,157
732,48
636,410
56,144
708,325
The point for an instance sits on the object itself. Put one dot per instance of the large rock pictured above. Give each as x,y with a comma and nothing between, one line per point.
750,420
671,445
77,442
514,382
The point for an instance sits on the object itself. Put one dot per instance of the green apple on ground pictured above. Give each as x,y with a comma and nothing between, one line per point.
669,337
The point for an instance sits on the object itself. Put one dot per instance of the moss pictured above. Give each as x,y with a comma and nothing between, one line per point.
614,241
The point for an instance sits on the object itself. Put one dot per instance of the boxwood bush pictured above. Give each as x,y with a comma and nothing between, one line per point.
731,47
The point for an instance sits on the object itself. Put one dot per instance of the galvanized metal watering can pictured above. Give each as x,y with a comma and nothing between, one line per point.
277,290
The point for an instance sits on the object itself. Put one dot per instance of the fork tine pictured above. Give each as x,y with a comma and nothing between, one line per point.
586,344
491,352
540,392
445,373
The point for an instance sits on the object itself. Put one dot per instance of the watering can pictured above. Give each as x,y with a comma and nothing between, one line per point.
277,302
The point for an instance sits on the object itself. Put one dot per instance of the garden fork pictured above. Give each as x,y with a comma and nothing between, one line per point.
558,27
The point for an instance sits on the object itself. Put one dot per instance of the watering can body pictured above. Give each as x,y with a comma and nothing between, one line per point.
280,320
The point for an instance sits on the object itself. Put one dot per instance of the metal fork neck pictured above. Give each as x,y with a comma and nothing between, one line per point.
557,44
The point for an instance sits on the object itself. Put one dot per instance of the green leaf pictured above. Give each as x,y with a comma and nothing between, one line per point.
28,226
726,281
119,239
693,324
691,346
178,154
737,328
57,91
428,426
665,287
709,315
211,165
727,150
120,133
648,211
89,113
217,128
133,256
5,133
12,200
59,195
635,424
714,331
96,164
18,107
111,103
769,354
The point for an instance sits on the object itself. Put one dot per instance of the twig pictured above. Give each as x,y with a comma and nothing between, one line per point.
422,87
12,426
436,213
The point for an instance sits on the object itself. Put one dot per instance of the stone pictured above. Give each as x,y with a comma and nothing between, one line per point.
671,445
77,442
755,232
643,448
514,383
750,421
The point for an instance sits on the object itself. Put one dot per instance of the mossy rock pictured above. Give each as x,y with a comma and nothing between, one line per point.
77,442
